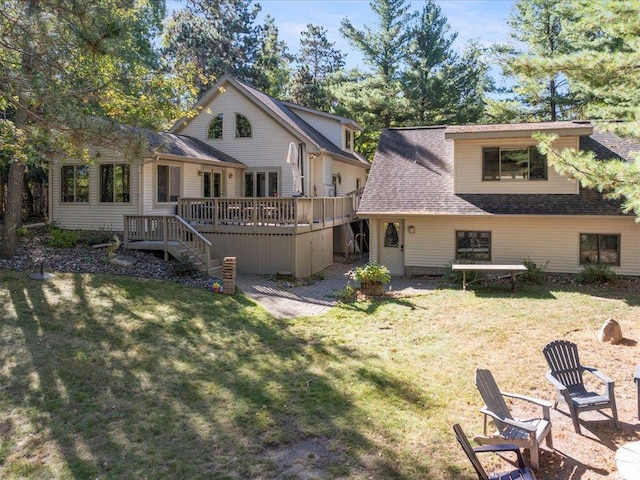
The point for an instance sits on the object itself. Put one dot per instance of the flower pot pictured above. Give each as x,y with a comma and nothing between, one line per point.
372,289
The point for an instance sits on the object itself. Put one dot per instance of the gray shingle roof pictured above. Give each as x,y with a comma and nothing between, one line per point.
412,173
184,146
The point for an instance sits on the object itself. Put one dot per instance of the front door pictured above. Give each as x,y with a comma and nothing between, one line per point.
391,246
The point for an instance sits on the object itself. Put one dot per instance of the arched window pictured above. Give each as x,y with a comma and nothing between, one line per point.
243,126
215,127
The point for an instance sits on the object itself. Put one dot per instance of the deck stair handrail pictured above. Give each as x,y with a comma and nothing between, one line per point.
176,235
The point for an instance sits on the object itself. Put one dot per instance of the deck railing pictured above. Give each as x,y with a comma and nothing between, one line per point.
170,230
268,211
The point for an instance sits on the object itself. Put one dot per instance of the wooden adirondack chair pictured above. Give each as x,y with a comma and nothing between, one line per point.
525,433
522,473
565,373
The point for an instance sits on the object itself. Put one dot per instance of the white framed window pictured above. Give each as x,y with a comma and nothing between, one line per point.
243,126
215,129
74,185
168,188
348,139
473,245
261,183
600,248
115,183
513,163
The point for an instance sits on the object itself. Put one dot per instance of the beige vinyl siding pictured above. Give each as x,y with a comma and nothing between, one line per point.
329,127
269,143
326,178
374,228
93,214
349,173
542,239
267,148
468,169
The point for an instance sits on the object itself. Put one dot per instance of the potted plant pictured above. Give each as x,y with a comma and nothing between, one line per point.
371,277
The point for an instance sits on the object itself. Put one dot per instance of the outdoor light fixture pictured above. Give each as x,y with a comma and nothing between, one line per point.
411,229
230,175
339,177
199,173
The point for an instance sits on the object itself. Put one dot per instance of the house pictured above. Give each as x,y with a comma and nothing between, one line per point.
270,182
483,193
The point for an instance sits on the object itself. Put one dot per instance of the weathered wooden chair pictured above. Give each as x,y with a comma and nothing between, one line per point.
522,473
525,433
565,373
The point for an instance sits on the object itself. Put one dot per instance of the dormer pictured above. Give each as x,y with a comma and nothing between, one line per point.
503,159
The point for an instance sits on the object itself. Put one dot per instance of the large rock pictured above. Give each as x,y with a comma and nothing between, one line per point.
123,260
610,332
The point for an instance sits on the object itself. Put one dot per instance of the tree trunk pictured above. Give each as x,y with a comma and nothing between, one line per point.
13,212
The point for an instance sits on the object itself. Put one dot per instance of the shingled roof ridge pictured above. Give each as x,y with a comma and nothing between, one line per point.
418,127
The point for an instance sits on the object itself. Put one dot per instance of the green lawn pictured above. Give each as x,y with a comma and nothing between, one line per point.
112,377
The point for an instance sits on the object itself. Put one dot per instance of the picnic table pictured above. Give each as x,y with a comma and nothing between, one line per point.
512,269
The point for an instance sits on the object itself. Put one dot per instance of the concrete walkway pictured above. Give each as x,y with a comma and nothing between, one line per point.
310,300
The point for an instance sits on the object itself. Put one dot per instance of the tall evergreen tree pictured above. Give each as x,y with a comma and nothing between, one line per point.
538,30
318,60
273,61
215,37
441,86
64,63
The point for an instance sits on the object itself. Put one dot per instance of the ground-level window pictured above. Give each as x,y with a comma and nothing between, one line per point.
600,248
473,245
115,181
212,184
513,163
74,184
261,184
168,183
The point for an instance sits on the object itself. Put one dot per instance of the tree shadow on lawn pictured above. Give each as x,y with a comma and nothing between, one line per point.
100,380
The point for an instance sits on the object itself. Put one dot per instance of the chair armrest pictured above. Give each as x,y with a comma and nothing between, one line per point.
508,421
505,447
546,405
599,374
561,388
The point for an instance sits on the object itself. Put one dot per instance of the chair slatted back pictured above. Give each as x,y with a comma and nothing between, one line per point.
563,360
468,450
491,395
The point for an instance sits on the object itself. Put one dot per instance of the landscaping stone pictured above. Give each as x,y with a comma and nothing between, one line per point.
610,332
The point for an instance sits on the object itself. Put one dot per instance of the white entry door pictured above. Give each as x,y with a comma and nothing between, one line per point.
391,245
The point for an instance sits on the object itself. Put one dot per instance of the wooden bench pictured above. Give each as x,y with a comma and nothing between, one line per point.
512,269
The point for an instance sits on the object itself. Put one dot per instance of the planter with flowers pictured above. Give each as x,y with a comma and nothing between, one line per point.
371,277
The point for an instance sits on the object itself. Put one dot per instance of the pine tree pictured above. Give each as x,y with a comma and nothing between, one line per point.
538,31
273,61
604,66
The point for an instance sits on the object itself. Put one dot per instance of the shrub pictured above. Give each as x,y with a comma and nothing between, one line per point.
21,231
371,273
63,238
595,273
535,273
346,295
184,266
97,237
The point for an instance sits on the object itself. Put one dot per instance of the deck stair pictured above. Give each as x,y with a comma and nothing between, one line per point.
175,237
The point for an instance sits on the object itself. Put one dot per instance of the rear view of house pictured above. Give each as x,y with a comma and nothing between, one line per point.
272,183
483,193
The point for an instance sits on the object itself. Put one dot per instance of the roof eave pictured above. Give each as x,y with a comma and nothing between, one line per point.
562,132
